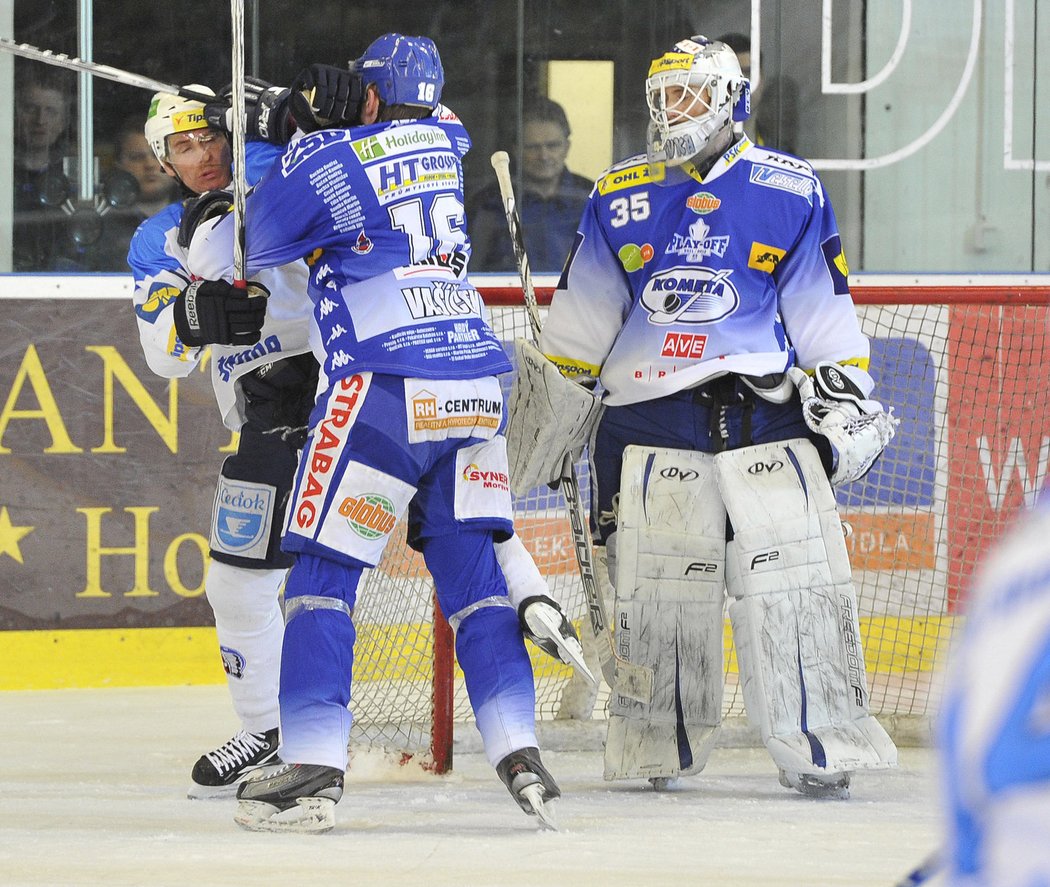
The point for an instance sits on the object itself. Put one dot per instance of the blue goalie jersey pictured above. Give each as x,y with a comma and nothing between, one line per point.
678,278
377,211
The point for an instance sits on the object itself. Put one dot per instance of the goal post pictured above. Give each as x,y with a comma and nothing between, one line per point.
963,367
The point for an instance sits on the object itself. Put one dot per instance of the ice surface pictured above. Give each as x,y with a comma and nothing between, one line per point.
93,792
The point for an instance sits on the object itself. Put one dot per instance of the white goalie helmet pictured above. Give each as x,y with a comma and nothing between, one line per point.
169,114
695,92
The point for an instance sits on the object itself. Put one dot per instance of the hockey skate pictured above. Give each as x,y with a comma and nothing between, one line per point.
217,773
543,623
833,786
295,798
530,785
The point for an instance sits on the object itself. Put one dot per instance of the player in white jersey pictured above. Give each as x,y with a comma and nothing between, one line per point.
993,722
411,422
705,277
264,377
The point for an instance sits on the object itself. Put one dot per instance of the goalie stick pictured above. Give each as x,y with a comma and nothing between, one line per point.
625,678
107,72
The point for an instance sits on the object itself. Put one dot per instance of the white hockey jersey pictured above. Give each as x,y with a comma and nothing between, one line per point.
160,265
676,281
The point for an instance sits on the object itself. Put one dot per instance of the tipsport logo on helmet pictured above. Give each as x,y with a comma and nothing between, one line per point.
690,295
370,515
182,121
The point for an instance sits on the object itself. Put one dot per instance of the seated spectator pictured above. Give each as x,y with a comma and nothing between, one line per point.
550,201
40,187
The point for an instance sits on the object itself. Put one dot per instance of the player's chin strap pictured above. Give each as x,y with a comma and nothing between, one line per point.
858,429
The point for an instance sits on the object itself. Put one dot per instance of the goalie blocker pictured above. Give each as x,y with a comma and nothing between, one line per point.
792,606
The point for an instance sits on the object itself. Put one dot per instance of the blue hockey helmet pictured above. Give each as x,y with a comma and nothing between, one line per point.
404,70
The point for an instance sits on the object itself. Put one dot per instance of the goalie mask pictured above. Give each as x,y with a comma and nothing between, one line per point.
695,93
404,70
170,114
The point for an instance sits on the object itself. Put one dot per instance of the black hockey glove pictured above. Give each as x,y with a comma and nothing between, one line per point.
216,312
268,114
324,96
200,209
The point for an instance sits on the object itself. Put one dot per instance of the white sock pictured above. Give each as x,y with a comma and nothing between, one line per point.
250,628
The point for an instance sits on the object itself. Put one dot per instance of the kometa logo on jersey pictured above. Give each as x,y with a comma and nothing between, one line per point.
370,515
327,442
690,295
489,480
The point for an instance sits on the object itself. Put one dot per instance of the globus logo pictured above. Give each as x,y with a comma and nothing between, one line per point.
370,515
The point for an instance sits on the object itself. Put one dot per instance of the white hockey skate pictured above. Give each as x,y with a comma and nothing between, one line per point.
543,623
296,798
531,785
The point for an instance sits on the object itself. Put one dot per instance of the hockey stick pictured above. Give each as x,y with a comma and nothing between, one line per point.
626,678
107,72
929,868
237,101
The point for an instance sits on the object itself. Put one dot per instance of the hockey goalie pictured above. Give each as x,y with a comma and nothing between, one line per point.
707,294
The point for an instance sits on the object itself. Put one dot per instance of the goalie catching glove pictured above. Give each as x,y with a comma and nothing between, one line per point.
215,312
858,429
550,417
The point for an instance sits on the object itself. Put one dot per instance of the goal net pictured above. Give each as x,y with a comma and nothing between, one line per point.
960,365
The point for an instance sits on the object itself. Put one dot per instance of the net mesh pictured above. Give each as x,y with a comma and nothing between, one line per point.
962,370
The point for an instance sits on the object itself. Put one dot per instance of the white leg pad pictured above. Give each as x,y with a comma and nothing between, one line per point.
669,612
794,612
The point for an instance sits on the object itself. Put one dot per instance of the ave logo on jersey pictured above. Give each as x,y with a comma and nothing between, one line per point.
690,295
242,517
698,244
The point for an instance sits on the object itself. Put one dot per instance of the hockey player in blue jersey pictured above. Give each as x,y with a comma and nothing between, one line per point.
993,721
411,422
706,292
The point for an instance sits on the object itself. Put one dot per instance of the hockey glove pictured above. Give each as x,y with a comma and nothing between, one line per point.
200,209
324,97
267,113
857,429
215,312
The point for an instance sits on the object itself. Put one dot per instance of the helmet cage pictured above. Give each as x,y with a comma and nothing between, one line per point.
693,92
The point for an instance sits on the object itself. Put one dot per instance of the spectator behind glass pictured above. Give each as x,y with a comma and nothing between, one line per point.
156,189
550,202
774,106
136,189
40,188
